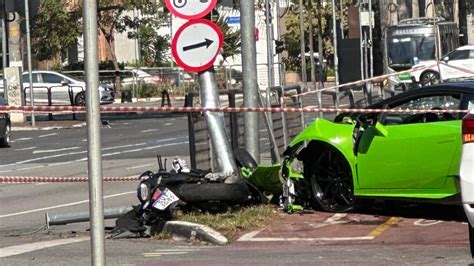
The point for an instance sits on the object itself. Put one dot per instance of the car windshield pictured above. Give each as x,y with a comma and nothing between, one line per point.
403,49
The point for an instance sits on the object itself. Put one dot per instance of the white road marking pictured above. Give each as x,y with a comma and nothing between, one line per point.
138,166
64,205
48,135
67,154
25,248
6,171
25,149
252,237
330,221
32,167
168,124
149,130
423,222
63,149
20,139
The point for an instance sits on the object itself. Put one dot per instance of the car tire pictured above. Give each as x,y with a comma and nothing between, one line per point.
429,78
331,182
80,99
5,141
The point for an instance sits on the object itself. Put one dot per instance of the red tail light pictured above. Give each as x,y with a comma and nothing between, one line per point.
468,128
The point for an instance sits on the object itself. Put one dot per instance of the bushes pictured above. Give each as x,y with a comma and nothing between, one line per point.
150,90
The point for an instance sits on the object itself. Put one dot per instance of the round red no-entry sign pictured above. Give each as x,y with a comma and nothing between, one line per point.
196,45
190,9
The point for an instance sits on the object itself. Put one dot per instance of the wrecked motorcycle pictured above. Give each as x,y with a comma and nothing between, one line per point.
162,192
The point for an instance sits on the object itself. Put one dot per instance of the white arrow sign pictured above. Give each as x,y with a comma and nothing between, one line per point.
196,45
190,9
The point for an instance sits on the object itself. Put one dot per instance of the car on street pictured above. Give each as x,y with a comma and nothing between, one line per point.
399,155
61,85
5,126
467,171
451,67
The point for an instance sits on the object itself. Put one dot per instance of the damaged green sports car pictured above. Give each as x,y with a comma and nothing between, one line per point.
394,155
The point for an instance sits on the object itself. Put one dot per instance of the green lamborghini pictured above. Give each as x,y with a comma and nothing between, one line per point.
390,155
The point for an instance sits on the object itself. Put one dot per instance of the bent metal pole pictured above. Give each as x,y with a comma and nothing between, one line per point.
216,125
94,160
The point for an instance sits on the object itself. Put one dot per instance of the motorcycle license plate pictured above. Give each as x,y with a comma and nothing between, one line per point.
166,198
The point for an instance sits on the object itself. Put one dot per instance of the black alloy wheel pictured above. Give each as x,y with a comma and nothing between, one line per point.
331,182
80,99
429,78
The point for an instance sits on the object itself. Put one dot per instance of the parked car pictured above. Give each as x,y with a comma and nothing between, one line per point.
139,76
391,155
60,85
5,126
467,172
460,58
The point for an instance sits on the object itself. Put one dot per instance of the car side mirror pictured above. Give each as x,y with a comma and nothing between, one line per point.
65,82
446,58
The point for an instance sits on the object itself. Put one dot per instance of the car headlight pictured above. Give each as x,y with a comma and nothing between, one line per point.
143,192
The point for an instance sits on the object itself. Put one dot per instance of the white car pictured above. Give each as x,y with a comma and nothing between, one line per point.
452,66
139,76
467,172
61,85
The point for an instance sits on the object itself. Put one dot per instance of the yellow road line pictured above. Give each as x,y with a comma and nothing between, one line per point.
383,227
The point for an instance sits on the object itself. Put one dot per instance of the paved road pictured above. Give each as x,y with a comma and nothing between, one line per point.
420,234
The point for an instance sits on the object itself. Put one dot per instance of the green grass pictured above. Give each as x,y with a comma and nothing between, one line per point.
233,222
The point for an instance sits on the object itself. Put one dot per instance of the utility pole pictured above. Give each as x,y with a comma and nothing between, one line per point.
94,146
336,58
4,45
249,73
28,51
269,26
311,56
304,79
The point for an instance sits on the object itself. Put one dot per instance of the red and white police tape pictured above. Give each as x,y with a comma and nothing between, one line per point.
49,179
308,109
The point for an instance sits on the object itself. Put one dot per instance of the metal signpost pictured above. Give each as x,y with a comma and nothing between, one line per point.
94,157
195,47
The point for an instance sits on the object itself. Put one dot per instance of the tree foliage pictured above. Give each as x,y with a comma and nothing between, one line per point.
54,30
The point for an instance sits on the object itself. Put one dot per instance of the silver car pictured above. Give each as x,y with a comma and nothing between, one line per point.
63,88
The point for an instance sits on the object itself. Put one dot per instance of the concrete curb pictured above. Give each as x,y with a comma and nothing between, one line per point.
195,231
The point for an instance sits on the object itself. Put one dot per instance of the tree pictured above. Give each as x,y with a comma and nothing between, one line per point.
54,30
112,17
58,25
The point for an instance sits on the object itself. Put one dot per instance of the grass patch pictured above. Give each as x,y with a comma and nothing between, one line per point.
232,222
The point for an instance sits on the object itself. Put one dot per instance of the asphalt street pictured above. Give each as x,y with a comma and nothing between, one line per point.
425,234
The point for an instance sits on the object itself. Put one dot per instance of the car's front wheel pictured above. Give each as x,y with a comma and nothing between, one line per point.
331,182
429,78
5,140
80,99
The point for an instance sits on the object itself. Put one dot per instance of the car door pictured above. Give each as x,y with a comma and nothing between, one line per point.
418,149
59,90
40,94
457,60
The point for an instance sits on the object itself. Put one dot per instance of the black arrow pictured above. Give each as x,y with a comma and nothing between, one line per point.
206,43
